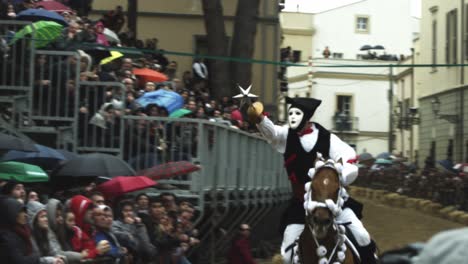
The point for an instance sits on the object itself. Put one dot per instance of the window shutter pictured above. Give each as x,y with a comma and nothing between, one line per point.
455,34
434,42
447,38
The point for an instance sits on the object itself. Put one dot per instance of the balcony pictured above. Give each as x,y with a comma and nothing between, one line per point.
345,123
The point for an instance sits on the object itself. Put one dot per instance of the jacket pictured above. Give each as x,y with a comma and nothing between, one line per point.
13,247
51,207
240,252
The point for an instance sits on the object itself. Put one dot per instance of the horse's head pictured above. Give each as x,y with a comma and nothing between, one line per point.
322,200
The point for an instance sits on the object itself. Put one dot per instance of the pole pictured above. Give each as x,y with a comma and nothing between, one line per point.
310,76
390,99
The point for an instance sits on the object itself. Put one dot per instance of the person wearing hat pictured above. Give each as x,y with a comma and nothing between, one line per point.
15,190
299,142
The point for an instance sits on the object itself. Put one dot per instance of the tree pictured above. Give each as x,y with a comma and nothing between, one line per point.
217,46
243,42
132,16
224,76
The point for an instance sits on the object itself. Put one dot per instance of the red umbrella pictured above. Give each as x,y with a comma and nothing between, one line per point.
170,169
148,75
53,6
120,185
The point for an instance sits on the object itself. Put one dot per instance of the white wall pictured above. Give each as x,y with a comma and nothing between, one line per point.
390,26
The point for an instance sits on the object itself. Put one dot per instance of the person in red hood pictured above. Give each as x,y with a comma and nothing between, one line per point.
83,237
240,248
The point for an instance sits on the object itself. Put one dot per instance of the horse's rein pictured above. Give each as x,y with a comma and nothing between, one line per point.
335,208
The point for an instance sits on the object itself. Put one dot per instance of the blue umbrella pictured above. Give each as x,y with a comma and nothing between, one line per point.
162,98
383,162
447,165
46,158
35,15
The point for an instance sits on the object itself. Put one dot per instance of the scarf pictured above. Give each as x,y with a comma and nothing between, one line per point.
24,232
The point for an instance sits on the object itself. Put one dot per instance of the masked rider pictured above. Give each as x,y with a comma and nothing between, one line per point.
299,143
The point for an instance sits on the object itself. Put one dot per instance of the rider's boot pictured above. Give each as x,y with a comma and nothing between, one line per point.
368,253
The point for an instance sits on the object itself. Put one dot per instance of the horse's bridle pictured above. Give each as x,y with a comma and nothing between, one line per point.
335,209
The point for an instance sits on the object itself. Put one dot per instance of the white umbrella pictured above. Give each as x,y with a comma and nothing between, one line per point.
111,36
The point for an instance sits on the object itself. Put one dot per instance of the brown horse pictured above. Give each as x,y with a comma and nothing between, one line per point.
322,204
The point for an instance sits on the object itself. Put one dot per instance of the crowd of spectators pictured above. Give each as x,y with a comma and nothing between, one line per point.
89,228
447,187
192,84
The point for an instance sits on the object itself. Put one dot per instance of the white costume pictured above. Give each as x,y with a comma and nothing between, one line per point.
277,136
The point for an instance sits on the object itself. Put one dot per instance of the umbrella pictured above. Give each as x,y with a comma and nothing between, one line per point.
366,47
365,156
53,6
35,15
144,161
180,112
384,155
46,158
97,52
46,32
148,75
67,154
22,172
114,55
163,98
170,169
461,167
120,185
111,36
447,165
8,142
94,165
383,162
378,47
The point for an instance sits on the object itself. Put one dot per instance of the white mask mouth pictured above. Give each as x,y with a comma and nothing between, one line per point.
295,116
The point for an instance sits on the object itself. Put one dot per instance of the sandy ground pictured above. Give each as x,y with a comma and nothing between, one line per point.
395,227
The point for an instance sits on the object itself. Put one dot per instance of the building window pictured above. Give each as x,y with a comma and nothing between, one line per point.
362,24
451,37
344,104
337,55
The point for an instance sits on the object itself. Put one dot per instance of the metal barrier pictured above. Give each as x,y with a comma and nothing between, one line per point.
99,107
16,65
56,75
242,178
16,69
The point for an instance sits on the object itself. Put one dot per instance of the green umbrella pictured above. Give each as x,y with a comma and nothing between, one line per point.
22,172
180,112
46,32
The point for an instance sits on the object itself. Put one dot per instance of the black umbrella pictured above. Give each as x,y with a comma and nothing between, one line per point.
98,53
94,165
366,47
378,47
8,142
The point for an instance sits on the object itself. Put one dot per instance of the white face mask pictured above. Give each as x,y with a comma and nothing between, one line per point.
295,116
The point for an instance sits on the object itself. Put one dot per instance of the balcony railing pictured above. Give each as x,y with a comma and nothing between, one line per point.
345,123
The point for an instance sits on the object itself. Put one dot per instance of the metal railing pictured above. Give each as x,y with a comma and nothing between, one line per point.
345,123
242,178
